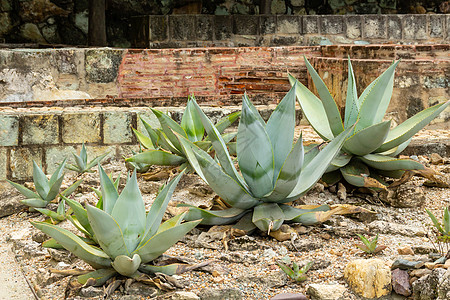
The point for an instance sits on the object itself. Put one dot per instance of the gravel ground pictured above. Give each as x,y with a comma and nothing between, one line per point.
250,262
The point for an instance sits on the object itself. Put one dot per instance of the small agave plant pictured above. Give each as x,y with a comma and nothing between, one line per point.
46,190
274,170
164,147
128,239
370,152
82,164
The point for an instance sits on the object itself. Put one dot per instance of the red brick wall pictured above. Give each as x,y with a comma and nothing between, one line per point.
211,72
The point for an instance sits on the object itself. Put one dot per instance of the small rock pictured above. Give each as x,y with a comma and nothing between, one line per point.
384,227
142,289
426,286
444,287
406,264
91,291
39,237
406,195
302,245
341,192
400,282
244,243
369,278
214,294
61,255
289,296
326,291
436,159
407,250
181,295
420,272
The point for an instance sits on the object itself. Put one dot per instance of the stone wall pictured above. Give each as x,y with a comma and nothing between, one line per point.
178,31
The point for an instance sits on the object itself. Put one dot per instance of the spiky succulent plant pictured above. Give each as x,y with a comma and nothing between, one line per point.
46,190
274,170
82,164
163,148
128,238
370,152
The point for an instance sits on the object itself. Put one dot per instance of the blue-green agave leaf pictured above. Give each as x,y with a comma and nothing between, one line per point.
129,213
331,109
100,276
157,157
145,141
40,181
67,192
226,121
167,125
358,174
172,222
268,217
302,215
213,217
280,129
23,190
255,153
34,202
109,192
58,173
367,139
191,123
351,102
388,163
80,214
54,189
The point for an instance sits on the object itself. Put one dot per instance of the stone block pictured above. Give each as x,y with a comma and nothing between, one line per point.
117,127
267,24
3,163
40,129
375,27
331,24
102,65
55,155
394,27
436,28
65,61
353,28
245,25
204,27
223,27
415,27
21,162
83,127
181,27
289,24
310,24
158,28
9,130
94,151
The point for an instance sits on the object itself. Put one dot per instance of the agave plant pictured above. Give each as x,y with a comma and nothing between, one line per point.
82,164
164,147
295,273
370,152
274,171
46,190
128,238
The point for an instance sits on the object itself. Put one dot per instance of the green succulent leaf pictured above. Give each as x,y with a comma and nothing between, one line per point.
313,109
268,217
80,214
255,154
57,174
50,213
312,172
226,121
126,265
108,232
67,192
162,241
100,276
303,216
410,127
75,244
172,269
435,221
289,272
167,125
388,163
151,132
158,208
165,143
220,147
289,173
96,160
214,217
280,129
191,122
24,191
351,102
145,141
52,243
358,174
54,189
172,222
332,177
331,109
129,213
40,181
375,99
157,157
339,161
446,221
367,139
109,192
34,202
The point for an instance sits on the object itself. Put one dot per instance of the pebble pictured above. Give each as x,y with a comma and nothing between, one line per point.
407,264
407,250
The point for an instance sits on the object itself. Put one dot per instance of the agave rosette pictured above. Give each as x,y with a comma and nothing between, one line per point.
163,147
273,170
81,161
128,238
370,152
46,189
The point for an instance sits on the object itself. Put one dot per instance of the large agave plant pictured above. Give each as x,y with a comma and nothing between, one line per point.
128,238
162,144
274,170
46,190
370,152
